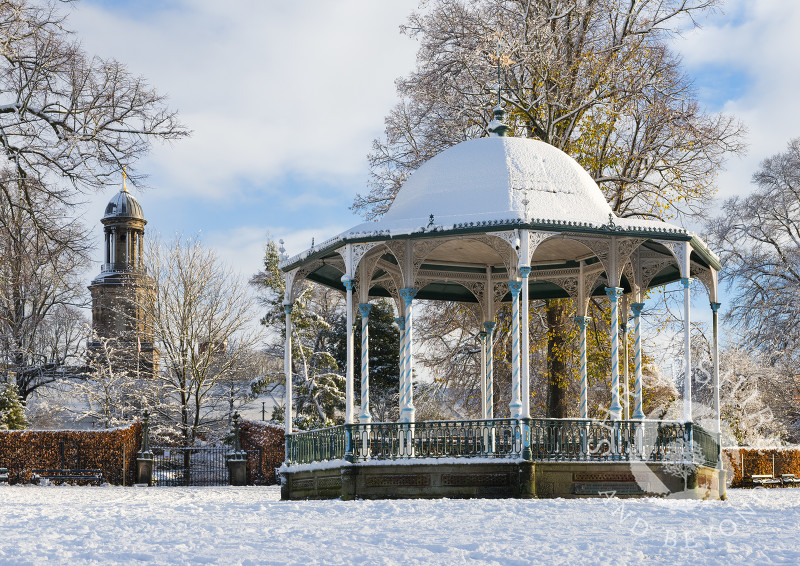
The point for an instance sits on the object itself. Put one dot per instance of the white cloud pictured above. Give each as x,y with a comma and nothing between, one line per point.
242,248
760,40
268,88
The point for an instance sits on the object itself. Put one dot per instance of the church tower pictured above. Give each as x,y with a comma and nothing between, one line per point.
121,292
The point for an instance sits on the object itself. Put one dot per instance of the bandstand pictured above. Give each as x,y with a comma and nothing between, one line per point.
491,221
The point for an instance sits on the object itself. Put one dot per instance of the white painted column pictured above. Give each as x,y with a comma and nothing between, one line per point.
401,326
584,406
489,326
687,353
715,359
349,417
482,338
717,408
409,411
524,346
615,411
287,367
515,407
626,379
638,412
364,416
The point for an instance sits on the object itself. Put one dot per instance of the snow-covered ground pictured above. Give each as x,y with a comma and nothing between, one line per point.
226,525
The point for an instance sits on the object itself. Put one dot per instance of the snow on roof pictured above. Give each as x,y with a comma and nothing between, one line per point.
490,178
498,179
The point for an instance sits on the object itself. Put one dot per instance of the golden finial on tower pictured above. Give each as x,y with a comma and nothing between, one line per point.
124,177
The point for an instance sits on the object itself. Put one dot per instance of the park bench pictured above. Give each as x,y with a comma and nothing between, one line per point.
789,479
3,475
764,480
61,475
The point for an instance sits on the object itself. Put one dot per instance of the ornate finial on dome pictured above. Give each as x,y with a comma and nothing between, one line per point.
497,127
124,177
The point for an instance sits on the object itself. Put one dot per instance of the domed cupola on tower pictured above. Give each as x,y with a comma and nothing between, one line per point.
120,291
124,233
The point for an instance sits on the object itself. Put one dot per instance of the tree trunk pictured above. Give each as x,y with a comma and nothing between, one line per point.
557,342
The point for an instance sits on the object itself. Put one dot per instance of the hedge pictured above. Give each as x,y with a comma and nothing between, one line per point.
112,451
760,461
269,439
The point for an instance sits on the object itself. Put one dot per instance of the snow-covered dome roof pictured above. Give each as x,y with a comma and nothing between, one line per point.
499,183
491,179
123,205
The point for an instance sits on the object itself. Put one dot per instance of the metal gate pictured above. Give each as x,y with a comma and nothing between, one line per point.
189,466
200,466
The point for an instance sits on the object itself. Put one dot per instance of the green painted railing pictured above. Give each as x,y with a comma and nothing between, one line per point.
318,445
706,446
526,439
496,438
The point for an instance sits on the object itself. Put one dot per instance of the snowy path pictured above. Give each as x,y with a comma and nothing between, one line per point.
113,525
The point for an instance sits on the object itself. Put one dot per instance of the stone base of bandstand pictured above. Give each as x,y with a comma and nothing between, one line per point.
498,479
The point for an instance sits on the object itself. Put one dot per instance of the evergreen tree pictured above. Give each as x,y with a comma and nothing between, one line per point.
318,380
384,348
12,410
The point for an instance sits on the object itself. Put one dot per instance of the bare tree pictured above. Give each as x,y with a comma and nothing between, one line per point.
68,123
750,391
595,78
318,379
107,392
65,115
43,254
758,239
201,324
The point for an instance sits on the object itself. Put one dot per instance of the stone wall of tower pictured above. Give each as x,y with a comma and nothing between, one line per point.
120,314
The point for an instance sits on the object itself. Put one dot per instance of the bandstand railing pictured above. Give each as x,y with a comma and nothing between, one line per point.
320,445
525,439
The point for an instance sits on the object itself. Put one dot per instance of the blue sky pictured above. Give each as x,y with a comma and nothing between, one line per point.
284,99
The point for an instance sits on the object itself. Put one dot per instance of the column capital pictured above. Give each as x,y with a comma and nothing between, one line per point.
287,307
347,281
637,309
400,322
482,336
614,293
715,306
686,281
525,270
489,326
515,286
364,309
582,321
408,295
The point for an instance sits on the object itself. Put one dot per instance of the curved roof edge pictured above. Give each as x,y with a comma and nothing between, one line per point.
651,230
